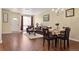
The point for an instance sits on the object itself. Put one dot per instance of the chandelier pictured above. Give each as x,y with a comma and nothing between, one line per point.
57,10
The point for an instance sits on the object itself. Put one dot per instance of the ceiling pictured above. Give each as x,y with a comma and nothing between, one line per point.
28,11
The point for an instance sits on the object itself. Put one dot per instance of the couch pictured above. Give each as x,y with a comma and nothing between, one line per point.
30,29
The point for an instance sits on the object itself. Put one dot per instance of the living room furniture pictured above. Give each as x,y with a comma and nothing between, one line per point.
39,29
47,36
30,30
64,35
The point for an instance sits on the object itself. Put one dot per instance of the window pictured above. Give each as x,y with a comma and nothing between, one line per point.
26,21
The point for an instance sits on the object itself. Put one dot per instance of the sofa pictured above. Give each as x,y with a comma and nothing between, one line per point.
30,29
39,30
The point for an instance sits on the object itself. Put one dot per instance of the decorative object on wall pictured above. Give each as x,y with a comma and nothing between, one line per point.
46,17
69,12
5,17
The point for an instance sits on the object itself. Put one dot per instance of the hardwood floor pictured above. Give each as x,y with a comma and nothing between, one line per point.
19,42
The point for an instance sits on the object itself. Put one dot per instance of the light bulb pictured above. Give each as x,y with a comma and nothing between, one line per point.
53,9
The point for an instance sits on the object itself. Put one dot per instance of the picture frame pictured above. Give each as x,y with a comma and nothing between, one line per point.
5,17
69,12
46,17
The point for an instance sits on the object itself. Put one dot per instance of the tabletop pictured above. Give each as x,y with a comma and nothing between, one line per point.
56,31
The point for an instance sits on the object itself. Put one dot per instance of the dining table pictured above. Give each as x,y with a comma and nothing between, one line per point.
56,31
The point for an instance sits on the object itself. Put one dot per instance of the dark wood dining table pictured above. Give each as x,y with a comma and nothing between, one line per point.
55,31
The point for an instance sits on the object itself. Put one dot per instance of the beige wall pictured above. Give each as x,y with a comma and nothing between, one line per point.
0,25
6,27
72,22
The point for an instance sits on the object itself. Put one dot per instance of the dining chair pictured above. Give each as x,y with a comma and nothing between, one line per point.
64,35
47,36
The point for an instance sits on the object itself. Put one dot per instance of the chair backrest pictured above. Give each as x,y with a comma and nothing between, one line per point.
45,32
67,32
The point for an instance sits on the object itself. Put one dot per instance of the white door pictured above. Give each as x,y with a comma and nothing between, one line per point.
15,25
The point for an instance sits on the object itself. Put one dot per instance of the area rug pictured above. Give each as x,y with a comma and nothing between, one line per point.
32,36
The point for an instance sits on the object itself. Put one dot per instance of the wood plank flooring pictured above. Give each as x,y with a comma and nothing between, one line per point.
19,42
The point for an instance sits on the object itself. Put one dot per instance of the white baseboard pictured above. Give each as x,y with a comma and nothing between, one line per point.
74,39
6,32
11,32
0,41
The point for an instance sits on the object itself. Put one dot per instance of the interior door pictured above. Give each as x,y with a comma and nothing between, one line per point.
15,25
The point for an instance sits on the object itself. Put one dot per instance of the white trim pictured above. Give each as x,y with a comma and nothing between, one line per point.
10,32
6,32
0,25
74,39
0,41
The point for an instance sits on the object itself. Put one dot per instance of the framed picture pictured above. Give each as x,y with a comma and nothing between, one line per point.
5,17
69,12
46,17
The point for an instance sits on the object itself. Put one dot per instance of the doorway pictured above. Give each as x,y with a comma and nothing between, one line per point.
26,22
15,24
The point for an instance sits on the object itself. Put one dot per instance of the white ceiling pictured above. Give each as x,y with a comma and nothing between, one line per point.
28,11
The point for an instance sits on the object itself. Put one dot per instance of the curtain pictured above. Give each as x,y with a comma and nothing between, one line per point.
32,21
21,22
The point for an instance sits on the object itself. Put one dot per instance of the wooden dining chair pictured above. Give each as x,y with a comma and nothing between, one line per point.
47,36
64,35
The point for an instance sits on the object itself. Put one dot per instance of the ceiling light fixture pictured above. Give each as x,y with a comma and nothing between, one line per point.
57,10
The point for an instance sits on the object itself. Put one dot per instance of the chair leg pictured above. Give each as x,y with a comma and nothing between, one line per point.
52,43
64,43
48,44
68,43
55,42
60,43
43,42
29,32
